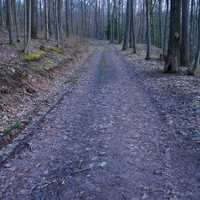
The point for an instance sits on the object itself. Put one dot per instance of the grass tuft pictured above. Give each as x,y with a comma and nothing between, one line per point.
16,126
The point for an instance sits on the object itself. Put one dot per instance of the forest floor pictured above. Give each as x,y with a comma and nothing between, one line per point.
29,87
122,131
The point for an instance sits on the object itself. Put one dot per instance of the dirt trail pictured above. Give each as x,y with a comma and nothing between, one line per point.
104,141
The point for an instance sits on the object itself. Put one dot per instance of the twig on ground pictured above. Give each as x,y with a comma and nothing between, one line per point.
80,171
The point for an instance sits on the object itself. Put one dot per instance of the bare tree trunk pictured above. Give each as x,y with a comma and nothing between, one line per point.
197,56
165,37
67,17
46,15
185,34
28,25
34,19
160,24
173,57
96,18
1,13
60,25
16,20
71,16
191,29
50,16
9,21
57,23
41,15
127,27
25,24
148,30
132,24
108,20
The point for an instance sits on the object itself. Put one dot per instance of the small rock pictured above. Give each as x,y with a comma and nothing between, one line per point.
12,169
102,164
102,153
46,172
157,172
7,165
91,165
65,137
145,196
22,191
94,158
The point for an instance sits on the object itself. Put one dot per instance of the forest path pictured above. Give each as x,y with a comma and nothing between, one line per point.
105,141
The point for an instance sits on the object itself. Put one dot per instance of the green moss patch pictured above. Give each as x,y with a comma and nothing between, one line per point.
33,56
56,50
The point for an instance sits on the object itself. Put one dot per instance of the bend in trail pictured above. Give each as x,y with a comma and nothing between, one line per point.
104,141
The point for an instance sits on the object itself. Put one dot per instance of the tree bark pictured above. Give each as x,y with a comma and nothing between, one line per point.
127,27
185,33
192,29
197,56
67,17
108,20
1,13
28,25
16,20
160,24
9,21
148,30
165,37
46,16
173,58
132,24
34,19
56,6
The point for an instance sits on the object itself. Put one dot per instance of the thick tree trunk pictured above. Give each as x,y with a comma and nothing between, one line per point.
197,56
173,58
132,24
34,19
185,33
127,27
